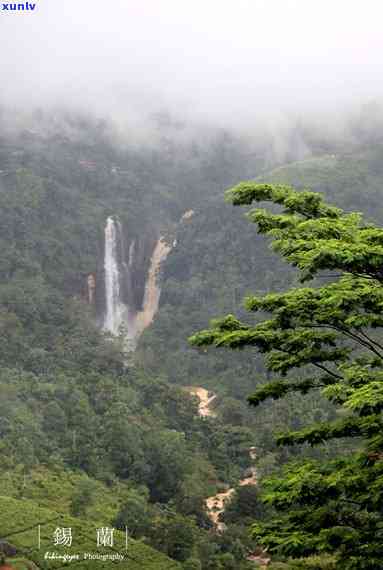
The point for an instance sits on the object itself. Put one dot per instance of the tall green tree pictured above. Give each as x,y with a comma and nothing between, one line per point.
324,338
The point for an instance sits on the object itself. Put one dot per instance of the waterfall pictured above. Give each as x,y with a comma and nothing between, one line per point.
113,315
121,306
131,252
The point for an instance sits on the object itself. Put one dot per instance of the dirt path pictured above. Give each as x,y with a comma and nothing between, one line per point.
251,480
215,505
205,400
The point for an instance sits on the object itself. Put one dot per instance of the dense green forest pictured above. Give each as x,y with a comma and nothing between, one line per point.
103,438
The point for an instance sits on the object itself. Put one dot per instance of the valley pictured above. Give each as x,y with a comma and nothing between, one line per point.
110,415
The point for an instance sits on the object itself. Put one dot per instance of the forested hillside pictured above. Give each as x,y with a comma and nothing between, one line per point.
83,430
114,439
223,260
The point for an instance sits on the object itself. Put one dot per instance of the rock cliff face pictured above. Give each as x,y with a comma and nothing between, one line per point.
126,289
149,306
91,288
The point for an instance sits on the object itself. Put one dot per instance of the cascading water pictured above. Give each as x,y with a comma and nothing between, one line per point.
121,306
131,252
113,315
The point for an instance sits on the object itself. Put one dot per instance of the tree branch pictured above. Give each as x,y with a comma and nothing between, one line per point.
334,374
371,340
347,332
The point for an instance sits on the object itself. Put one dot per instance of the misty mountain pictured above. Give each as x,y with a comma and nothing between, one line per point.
71,400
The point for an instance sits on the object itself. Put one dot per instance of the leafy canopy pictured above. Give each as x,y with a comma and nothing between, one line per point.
323,338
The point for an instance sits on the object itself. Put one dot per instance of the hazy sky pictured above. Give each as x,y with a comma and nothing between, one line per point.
227,60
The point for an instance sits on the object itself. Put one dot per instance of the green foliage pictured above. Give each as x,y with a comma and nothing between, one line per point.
83,497
310,563
134,515
245,506
20,526
335,506
192,564
174,535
